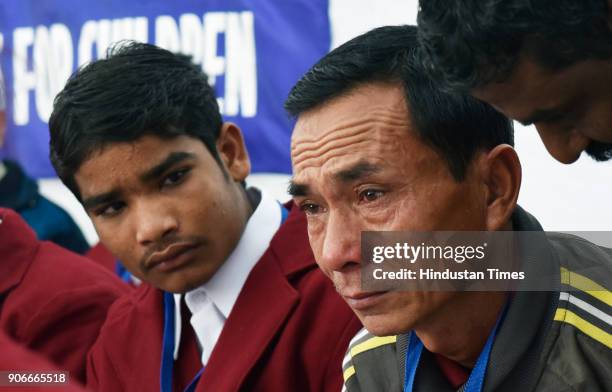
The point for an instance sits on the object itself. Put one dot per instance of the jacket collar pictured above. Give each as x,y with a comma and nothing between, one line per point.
225,285
520,341
256,319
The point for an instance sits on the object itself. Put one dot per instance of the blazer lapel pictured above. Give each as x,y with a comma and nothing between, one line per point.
265,302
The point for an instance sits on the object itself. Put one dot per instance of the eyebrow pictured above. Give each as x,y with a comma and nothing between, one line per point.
296,189
152,174
354,173
541,115
92,202
158,170
357,172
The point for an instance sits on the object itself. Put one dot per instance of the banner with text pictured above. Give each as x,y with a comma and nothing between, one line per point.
253,52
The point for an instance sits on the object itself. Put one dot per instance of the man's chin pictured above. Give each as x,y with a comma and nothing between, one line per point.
174,285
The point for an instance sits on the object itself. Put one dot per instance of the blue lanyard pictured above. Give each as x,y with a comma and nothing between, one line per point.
167,360
477,376
168,344
284,213
122,272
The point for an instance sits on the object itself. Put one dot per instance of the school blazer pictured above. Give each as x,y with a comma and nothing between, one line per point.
288,331
52,301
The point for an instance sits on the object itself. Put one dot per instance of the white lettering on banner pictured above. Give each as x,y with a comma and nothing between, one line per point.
53,61
191,36
241,73
23,79
214,25
200,38
167,34
104,32
43,57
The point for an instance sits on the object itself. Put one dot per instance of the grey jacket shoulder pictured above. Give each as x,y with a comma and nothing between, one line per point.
376,354
577,353
585,299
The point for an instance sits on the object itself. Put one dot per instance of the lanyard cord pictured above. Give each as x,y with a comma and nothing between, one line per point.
474,383
168,344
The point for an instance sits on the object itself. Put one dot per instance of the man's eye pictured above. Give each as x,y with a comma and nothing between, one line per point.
310,208
175,178
111,209
370,195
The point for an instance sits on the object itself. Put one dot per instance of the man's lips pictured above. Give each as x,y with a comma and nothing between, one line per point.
171,257
364,300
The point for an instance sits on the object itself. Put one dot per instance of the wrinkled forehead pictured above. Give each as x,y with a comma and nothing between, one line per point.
372,119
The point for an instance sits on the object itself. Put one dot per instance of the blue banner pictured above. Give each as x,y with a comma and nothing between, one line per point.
252,50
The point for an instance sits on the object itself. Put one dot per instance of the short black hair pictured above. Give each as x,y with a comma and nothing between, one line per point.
139,89
471,43
456,125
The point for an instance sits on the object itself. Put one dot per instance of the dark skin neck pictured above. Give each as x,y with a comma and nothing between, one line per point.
459,330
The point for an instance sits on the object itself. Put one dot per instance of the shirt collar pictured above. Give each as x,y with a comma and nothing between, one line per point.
225,285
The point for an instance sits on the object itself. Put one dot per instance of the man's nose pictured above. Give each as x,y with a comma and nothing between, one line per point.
341,247
565,146
153,222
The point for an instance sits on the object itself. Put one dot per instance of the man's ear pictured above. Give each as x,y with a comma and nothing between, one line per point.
232,151
503,182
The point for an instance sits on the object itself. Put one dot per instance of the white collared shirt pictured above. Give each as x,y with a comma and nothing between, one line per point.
211,303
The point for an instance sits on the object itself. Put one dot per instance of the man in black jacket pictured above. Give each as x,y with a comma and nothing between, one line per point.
377,147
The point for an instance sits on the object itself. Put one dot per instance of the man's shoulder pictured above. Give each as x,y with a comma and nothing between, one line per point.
56,283
584,308
134,323
580,356
585,299
140,306
17,357
130,343
576,252
371,362
581,338
71,272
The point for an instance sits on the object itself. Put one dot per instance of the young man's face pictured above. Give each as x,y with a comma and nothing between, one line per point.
571,108
164,206
358,165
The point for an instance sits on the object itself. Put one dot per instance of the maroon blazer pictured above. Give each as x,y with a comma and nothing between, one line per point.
288,331
52,301
102,256
14,357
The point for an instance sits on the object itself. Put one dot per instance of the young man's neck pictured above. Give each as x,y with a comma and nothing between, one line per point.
459,330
